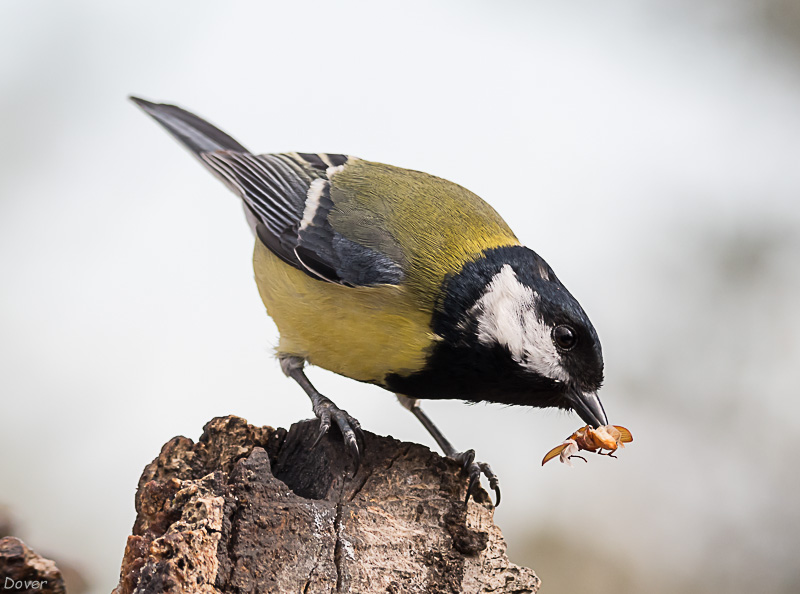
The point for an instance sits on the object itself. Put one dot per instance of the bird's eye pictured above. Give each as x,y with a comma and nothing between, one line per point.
564,337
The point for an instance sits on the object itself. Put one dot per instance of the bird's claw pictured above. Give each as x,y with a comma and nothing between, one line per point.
324,424
474,470
353,435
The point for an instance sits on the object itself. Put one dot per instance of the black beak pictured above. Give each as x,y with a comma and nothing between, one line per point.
588,407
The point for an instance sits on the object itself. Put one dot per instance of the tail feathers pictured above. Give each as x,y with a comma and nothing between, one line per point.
193,132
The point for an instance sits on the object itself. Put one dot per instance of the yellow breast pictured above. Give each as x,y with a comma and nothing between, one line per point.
360,332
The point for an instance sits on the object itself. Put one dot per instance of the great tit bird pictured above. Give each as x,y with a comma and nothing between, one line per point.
403,280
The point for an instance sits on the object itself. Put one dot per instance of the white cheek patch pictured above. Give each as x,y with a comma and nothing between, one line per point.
506,315
501,311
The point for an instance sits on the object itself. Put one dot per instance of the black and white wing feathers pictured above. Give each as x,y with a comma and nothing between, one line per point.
287,199
273,194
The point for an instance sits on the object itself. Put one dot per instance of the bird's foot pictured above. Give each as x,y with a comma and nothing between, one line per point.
325,410
474,471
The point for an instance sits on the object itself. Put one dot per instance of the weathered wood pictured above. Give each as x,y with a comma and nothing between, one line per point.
256,509
25,572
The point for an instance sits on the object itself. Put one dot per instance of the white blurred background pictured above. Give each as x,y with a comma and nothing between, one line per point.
649,150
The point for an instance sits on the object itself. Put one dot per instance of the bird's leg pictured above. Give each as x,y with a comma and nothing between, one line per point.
466,459
325,410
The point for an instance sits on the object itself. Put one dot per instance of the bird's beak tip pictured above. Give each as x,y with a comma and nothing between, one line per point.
589,408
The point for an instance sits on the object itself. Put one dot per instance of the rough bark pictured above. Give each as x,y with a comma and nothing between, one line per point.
23,571
256,509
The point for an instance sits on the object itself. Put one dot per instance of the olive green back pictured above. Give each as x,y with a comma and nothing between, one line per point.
428,225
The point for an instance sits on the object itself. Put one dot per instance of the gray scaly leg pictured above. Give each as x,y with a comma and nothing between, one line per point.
325,410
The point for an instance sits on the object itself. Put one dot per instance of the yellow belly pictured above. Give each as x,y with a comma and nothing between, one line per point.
363,333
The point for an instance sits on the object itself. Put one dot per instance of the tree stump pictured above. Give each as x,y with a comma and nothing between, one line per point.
257,509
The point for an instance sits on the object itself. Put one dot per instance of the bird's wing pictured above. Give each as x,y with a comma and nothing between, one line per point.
288,200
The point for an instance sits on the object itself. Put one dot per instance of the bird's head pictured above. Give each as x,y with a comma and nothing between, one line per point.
527,337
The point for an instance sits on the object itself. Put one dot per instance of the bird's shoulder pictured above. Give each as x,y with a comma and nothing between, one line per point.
430,225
